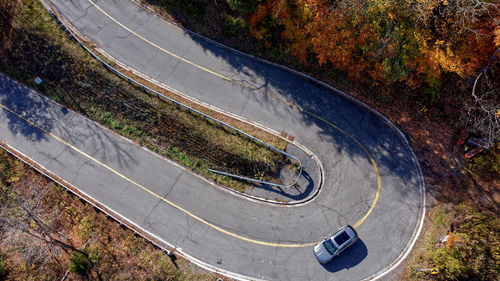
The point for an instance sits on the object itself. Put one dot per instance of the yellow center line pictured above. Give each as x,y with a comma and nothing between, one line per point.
359,222
155,194
159,47
170,53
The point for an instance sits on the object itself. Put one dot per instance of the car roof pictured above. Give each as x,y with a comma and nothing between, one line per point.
341,237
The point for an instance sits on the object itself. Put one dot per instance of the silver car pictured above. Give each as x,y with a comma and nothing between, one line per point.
332,246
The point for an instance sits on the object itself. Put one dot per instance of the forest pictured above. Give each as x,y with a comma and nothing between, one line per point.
406,50
431,66
392,41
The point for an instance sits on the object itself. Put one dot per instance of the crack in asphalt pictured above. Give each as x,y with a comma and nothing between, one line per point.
86,10
122,192
347,121
192,235
327,212
103,27
154,55
173,185
244,105
324,214
188,229
165,196
177,63
54,158
339,215
123,37
77,172
335,163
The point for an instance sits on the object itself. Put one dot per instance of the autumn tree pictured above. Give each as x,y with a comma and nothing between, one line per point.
27,222
390,40
7,12
483,111
243,6
457,35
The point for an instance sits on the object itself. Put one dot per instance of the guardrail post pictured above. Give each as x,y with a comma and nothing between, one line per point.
190,110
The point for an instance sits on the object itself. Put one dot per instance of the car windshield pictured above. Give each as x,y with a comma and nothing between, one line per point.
341,238
330,247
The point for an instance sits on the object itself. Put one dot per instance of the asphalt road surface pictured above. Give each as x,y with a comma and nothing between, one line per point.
371,179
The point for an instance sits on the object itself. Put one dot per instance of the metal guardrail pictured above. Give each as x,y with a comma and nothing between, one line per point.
190,109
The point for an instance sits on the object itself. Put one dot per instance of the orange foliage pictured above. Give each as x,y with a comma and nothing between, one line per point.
341,38
291,17
256,30
497,36
437,58
385,39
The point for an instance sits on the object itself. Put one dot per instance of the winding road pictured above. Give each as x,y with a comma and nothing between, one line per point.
371,177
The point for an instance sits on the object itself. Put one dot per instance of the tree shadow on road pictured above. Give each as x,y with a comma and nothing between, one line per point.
12,96
349,127
31,116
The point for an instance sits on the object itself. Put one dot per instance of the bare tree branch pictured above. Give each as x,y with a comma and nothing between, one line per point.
483,112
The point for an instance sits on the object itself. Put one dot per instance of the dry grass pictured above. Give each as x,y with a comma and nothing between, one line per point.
122,255
73,78
467,187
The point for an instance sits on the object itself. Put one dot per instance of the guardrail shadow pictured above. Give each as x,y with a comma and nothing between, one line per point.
320,106
376,136
294,193
337,117
351,257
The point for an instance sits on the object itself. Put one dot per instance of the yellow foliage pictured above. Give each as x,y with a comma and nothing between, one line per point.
434,60
357,37
13,179
451,240
429,5
497,36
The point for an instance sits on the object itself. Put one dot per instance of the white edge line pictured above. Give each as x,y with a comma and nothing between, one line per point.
302,147
44,171
172,162
249,197
415,235
118,217
418,228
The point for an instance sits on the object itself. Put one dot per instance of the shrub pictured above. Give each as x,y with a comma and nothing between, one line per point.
449,261
233,26
243,6
190,7
2,268
433,89
486,162
82,263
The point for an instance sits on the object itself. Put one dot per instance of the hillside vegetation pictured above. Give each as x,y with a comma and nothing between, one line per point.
426,54
431,66
46,233
34,46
